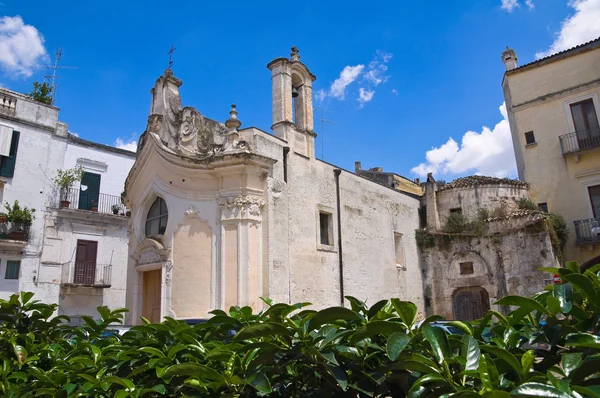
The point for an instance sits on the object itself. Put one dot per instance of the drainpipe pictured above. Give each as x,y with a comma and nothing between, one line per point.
337,173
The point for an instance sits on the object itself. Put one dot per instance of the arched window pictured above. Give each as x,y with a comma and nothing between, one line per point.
156,221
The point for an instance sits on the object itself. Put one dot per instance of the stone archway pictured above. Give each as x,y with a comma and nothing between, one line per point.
470,303
151,284
590,263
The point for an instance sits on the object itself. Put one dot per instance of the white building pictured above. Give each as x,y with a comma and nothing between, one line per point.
74,256
223,215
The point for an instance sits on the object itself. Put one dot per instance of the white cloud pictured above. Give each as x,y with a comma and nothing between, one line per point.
375,73
394,91
577,29
347,76
21,47
489,152
509,5
320,95
364,96
128,144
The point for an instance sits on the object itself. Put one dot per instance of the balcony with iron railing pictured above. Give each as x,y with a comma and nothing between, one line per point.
86,274
587,231
76,199
580,140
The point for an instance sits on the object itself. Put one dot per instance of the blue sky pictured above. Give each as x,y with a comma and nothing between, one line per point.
399,78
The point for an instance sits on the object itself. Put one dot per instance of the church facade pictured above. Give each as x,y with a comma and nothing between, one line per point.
223,215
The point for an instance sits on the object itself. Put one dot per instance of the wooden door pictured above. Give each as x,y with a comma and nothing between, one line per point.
89,192
470,303
151,295
85,262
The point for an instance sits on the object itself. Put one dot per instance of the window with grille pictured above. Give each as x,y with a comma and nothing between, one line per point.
156,221
529,138
466,268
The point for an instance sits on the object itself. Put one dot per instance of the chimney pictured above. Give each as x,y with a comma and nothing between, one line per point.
357,167
509,57
417,180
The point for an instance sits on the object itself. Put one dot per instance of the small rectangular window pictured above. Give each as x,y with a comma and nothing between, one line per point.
325,229
457,210
466,268
286,151
543,207
399,250
12,269
529,138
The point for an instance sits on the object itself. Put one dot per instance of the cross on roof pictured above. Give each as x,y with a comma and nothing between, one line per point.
171,55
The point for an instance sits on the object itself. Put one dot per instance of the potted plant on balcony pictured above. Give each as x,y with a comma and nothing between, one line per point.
20,218
93,205
115,209
64,180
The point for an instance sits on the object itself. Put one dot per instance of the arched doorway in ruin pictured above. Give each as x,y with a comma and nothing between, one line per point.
470,303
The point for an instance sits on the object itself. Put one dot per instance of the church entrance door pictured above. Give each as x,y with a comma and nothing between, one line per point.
470,303
151,296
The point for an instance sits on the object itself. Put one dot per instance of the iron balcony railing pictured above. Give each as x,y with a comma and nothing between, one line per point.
580,140
14,231
587,231
86,273
99,202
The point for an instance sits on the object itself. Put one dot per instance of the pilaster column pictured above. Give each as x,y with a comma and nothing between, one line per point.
241,250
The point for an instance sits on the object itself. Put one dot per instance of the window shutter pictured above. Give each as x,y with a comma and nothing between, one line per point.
7,165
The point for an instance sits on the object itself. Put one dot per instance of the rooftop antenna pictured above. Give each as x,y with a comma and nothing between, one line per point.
323,121
53,77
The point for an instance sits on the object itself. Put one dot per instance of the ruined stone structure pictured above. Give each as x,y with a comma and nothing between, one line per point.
498,252
223,215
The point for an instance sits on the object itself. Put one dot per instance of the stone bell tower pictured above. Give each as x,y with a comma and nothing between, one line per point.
292,103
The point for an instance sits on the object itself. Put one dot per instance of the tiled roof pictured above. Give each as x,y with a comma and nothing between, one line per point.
591,43
470,181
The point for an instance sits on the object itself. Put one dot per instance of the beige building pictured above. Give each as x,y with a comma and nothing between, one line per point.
553,107
493,248
390,179
224,215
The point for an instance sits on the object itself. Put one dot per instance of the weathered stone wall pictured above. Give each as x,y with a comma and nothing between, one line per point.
503,265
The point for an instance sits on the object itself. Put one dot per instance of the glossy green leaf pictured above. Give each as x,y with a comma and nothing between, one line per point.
120,381
261,383
375,308
582,340
572,266
373,328
488,372
500,317
332,314
257,330
191,369
527,361
396,344
497,394
588,368
563,292
522,302
340,376
426,379
121,394
153,351
538,390
583,284
505,356
406,310
570,362
465,328
470,352
553,305
438,340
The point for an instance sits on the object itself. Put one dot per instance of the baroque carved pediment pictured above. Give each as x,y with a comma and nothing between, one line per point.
184,129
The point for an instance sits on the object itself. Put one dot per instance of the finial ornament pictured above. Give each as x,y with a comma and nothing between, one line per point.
233,122
295,56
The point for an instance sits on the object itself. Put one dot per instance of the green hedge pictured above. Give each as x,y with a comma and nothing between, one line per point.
548,346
